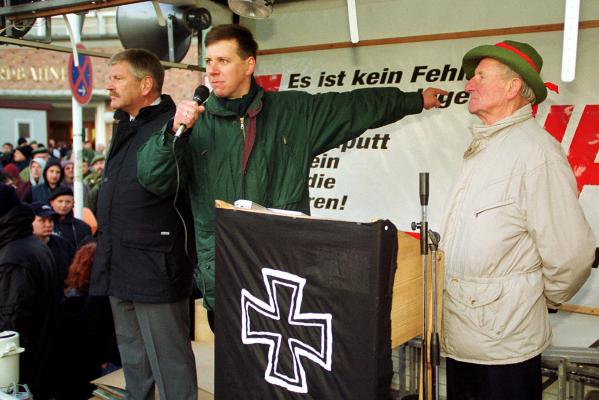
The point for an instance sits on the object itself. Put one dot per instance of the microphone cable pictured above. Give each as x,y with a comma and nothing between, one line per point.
185,234
200,95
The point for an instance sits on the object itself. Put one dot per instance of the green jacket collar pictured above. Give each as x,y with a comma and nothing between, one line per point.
215,107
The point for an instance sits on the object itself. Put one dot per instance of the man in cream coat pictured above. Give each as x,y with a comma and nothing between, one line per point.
515,237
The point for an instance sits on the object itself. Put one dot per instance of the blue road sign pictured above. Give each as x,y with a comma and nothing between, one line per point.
80,78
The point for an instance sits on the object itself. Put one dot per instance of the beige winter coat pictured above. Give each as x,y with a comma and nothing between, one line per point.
515,240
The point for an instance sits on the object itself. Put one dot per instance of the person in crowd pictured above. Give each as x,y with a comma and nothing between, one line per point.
516,240
6,157
25,172
52,175
257,145
36,168
14,180
6,178
21,156
32,175
94,178
68,167
7,148
22,141
144,259
63,150
101,148
85,169
62,250
72,229
28,295
53,150
89,338
41,152
88,152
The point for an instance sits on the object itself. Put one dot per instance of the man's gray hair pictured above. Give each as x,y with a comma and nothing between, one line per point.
525,91
143,63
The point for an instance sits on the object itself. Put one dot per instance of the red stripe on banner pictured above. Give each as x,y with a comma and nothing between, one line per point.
518,52
557,120
584,148
270,83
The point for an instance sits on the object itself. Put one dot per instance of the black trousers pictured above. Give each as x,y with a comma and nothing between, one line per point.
521,381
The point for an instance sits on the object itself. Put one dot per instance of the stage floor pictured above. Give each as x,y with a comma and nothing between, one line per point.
203,350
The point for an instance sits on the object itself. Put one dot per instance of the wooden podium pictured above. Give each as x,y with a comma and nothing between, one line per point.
247,240
406,308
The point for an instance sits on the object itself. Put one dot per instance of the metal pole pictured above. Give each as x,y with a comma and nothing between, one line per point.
435,354
76,21
423,225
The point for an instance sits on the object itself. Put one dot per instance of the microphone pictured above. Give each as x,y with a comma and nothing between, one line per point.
423,186
199,96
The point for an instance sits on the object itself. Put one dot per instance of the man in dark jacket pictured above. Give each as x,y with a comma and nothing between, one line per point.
62,250
142,260
73,230
28,295
258,146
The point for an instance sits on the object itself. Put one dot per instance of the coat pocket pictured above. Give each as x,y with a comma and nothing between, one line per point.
162,241
481,305
493,206
473,294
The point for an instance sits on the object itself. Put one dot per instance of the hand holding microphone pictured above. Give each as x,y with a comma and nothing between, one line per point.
188,111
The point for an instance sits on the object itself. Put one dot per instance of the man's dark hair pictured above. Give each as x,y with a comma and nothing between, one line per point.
246,44
8,144
143,63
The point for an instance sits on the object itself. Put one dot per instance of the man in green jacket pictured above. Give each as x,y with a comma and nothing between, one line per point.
254,145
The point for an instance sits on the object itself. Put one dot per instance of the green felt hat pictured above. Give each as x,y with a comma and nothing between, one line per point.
97,157
520,57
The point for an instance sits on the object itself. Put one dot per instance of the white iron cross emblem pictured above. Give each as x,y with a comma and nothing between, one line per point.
275,280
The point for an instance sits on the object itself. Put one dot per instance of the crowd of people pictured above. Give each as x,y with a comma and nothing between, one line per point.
46,258
37,171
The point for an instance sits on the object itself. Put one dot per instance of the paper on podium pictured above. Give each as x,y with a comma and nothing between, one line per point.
252,205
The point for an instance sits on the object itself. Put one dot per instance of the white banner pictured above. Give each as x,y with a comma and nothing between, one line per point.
376,175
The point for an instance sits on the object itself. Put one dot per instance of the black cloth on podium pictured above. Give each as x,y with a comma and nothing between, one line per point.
303,307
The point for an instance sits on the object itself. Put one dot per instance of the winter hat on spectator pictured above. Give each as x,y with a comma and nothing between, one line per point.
40,150
25,150
61,191
64,163
42,209
11,170
97,157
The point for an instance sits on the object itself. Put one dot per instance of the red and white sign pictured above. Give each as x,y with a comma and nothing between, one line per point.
80,78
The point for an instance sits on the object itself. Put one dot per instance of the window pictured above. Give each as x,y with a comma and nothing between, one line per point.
24,129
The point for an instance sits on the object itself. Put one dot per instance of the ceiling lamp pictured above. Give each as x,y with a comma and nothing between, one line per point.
353,21
256,9
571,18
